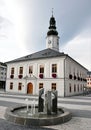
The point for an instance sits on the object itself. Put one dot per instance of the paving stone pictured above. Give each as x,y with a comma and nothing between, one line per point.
81,122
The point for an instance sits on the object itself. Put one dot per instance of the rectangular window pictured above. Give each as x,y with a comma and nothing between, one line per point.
81,87
11,85
19,86
21,70
78,87
70,89
53,87
40,85
30,69
12,70
41,69
74,87
54,68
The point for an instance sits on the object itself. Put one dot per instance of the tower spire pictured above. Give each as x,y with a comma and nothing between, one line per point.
52,39
52,12
52,26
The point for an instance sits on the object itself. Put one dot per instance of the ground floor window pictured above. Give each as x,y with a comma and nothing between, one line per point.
53,86
70,89
40,85
78,87
11,85
2,84
20,86
74,87
81,87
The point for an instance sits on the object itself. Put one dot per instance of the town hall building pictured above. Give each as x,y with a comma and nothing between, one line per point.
48,69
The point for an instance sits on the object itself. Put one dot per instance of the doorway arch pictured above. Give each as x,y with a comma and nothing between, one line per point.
30,88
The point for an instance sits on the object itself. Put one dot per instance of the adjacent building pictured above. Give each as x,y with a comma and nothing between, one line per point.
48,69
3,69
89,80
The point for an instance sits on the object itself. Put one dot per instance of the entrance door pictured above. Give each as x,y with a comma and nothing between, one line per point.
30,88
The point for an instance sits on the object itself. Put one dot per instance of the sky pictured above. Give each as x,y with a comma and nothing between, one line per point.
24,25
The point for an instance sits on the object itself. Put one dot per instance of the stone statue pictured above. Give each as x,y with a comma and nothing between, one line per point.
47,101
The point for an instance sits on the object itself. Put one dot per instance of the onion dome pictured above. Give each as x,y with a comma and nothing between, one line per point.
52,27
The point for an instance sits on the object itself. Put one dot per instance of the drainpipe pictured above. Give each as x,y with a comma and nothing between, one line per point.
64,75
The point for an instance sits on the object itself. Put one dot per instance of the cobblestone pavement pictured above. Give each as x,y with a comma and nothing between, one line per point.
80,120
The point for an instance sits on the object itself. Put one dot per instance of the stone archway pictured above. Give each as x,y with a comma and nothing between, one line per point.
30,88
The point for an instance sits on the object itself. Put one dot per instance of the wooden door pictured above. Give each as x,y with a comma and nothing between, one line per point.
30,88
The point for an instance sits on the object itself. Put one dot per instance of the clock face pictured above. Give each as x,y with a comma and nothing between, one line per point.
49,42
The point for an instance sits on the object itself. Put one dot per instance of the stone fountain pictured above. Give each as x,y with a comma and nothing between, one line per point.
46,112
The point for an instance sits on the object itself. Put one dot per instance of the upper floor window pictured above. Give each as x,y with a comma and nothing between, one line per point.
21,70
41,69
54,68
30,69
2,68
2,73
12,70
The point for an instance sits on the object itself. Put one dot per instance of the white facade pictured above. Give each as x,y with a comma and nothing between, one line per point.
48,69
3,69
65,67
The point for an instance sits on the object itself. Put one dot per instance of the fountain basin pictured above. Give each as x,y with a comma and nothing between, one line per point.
38,119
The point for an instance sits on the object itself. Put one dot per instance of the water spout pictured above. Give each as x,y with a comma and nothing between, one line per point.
27,103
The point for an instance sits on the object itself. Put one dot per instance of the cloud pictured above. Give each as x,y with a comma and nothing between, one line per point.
74,19
5,27
79,49
71,18
30,22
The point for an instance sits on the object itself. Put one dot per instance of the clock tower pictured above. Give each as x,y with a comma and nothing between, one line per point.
52,39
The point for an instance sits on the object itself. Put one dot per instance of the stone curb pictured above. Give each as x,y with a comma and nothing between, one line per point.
31,121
